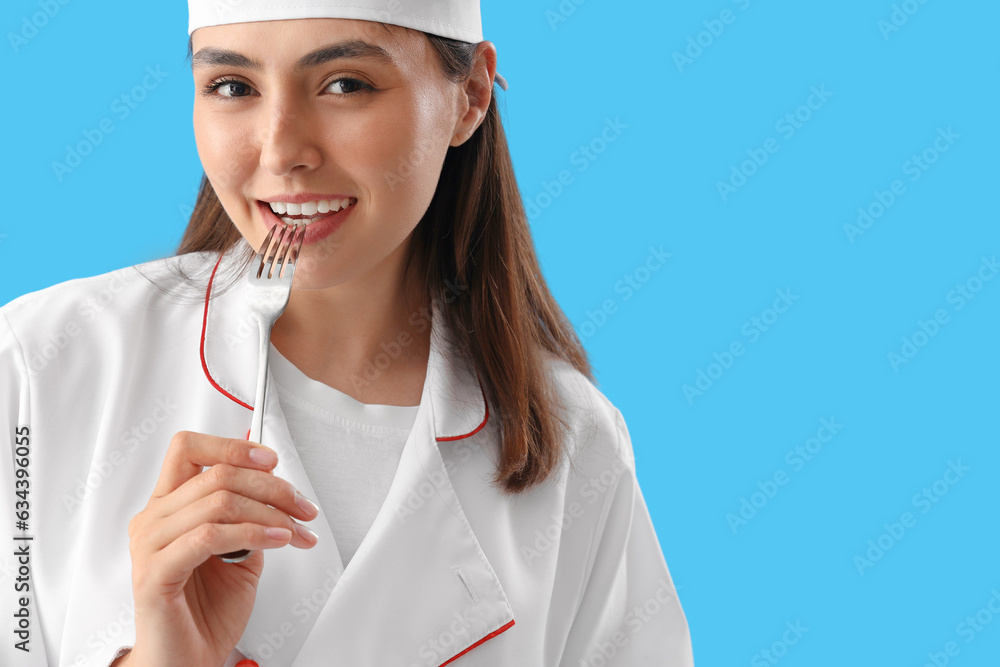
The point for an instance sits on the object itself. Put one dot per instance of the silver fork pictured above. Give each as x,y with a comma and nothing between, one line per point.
267,293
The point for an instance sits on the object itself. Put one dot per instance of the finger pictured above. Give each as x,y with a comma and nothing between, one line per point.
176,562
258,485
224,507
189,452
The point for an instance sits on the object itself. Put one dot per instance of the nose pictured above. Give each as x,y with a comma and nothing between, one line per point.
287,139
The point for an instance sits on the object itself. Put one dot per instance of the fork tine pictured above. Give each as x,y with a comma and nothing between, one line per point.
282,250
273,253
298,245
283,257
292,251
263,250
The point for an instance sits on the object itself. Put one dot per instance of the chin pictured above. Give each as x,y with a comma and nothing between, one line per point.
314,277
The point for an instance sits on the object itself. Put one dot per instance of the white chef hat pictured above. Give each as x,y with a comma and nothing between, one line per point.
454,19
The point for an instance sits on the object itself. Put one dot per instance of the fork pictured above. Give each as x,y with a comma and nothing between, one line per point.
267,295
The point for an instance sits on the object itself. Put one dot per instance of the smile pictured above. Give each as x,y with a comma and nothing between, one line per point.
309,211
320,217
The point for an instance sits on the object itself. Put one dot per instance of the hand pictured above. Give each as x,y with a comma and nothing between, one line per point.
190,607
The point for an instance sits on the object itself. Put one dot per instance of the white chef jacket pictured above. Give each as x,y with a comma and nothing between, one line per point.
97,374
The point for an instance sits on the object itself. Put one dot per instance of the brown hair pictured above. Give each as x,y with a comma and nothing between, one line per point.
475,233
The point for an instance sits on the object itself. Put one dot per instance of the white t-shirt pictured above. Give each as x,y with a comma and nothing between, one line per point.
350,449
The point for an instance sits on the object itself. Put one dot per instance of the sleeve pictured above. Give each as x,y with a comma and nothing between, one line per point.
23,643
629,613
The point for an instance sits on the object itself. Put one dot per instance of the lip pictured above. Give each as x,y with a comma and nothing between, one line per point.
315,231
303,197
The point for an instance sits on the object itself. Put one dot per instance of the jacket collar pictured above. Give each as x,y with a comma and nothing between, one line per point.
229,348
419,590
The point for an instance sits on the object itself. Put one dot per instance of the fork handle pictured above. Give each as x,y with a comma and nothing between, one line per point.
257,424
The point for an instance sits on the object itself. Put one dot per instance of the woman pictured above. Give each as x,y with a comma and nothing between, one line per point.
477,499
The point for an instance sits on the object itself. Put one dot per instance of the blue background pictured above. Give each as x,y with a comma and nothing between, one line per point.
683,126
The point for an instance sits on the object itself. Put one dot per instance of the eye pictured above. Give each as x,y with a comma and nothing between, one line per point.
232,88
348,86
227,88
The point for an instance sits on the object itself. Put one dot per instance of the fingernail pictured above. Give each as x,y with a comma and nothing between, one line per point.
264,457
306,534
307,506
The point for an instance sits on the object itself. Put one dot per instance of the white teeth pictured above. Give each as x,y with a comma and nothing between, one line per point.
320,206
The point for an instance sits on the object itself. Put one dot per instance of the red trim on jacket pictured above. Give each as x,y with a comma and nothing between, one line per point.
481,424
489,636
204,325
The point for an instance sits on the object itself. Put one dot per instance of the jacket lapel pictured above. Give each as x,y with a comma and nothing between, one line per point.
420,590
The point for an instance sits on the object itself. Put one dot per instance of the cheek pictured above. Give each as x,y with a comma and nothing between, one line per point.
225,153
399,156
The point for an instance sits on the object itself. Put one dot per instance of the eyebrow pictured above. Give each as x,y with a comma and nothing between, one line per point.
210,56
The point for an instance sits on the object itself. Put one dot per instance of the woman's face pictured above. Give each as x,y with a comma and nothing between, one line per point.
312,112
